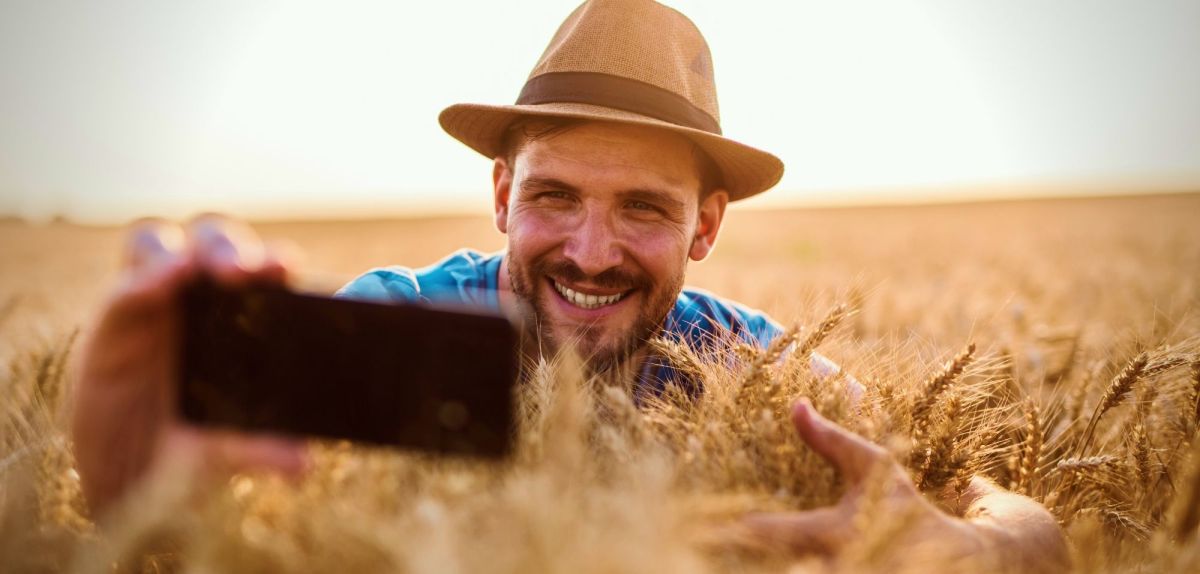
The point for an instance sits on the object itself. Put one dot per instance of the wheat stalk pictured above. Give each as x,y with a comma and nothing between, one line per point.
818,335
935,386
1031,450
1084,464
1116,391
943,456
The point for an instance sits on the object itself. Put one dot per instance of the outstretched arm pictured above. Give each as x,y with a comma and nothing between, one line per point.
1022,529
992,527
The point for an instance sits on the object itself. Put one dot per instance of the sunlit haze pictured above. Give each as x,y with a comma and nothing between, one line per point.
113,110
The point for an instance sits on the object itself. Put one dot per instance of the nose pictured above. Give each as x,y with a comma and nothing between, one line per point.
593,245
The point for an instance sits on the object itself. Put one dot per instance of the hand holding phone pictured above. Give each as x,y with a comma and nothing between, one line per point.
124,421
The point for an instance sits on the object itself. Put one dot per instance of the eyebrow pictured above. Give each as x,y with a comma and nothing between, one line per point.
546,183
657,197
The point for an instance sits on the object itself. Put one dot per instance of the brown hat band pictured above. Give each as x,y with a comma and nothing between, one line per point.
616,92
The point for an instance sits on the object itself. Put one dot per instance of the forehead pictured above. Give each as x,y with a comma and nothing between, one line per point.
621,154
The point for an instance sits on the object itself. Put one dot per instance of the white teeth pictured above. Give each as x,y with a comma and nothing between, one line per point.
586,301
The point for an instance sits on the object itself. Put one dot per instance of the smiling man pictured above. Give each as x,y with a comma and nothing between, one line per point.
602,219
610,174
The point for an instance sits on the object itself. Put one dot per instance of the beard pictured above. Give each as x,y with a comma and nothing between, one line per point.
600,356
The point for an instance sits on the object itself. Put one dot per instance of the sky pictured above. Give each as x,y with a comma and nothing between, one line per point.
111,110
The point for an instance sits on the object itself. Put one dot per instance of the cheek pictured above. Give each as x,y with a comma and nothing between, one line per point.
530,233
660,252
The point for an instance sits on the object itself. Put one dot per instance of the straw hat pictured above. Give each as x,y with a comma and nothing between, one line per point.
630,61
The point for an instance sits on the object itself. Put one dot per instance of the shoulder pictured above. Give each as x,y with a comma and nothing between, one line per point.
455,278
464,265
702,317
392,283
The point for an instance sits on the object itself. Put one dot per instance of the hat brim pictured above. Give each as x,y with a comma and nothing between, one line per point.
745,170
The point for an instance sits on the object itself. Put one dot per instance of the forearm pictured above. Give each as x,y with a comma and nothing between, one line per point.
1020,533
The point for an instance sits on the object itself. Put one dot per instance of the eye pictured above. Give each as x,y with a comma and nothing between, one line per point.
641,206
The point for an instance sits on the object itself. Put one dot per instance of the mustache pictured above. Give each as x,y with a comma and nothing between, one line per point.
617,279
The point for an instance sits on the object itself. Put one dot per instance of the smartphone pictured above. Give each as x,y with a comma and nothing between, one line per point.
263,358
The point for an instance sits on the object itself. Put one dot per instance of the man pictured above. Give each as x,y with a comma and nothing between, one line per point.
610,174
596,250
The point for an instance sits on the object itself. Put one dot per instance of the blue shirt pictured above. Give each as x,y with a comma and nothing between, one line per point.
470,277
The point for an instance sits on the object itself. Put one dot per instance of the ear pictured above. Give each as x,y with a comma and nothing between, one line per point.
501,187
712,211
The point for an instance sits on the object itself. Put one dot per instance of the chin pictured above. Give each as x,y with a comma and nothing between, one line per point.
590,345
605,319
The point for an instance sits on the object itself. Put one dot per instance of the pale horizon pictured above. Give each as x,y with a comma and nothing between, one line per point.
285,110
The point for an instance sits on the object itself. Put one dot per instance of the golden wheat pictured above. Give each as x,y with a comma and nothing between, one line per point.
1056,295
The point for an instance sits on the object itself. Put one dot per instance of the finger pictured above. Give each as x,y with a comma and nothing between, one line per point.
155,264
226,452
824,530
279,262
152,244
855,457
152,292
242,453
227,249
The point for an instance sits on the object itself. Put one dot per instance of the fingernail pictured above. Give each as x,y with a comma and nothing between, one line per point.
803,406
802,410
809,413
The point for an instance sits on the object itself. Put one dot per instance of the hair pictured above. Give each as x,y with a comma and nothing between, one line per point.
524,130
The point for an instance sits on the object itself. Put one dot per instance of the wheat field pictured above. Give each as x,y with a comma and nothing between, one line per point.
1051,345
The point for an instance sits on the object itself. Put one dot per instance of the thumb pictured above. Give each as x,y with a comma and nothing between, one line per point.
854,456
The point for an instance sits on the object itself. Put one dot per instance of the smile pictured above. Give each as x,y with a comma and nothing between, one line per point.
585,301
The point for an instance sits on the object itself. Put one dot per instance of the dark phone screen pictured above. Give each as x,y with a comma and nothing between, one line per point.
266,359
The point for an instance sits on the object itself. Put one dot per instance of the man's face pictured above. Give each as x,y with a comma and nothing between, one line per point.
601,221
